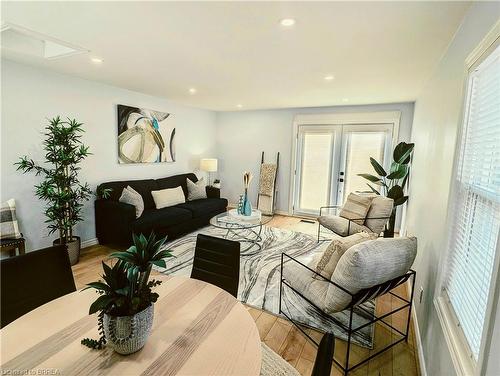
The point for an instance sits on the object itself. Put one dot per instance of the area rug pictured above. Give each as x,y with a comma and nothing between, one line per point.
260,274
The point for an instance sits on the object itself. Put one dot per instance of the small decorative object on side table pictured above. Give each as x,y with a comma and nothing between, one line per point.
247,205
125,302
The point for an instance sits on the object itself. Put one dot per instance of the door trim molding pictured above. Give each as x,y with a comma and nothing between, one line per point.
344,118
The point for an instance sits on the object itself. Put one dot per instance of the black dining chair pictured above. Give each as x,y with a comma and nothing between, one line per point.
273,364
324,357
33,279
217,261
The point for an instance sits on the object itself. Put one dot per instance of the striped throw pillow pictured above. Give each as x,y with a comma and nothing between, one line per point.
9,229
356,208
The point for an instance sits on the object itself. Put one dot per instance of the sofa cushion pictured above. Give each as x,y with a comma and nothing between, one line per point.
381,207
132,197
143,187
165,217
368,264
196,191
340,225
202,207
336,249
175,181
356,207
168,197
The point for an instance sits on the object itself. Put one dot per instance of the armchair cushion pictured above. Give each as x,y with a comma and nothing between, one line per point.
332,254
368,264
381,207
356,208
341,226
305,281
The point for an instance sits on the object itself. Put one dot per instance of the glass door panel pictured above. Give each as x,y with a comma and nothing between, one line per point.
359,147
316,171
329,158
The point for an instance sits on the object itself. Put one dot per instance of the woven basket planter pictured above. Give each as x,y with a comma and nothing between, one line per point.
128,334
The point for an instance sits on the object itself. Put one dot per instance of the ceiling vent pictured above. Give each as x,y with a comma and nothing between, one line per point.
21,40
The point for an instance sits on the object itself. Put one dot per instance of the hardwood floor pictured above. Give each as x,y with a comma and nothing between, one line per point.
288,341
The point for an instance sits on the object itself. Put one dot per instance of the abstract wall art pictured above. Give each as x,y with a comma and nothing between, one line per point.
145,136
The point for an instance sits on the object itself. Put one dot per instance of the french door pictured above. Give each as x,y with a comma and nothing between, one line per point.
328,159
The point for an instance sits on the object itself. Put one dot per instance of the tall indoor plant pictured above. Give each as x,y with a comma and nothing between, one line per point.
60,187
392,184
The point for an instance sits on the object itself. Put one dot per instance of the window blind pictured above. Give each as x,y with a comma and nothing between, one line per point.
476,203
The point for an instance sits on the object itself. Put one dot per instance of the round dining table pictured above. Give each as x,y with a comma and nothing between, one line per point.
198,329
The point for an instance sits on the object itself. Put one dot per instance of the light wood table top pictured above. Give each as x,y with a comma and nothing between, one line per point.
198,329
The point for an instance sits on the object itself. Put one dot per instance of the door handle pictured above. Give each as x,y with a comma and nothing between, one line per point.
341,180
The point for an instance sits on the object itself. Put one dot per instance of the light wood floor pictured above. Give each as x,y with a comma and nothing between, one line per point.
288,341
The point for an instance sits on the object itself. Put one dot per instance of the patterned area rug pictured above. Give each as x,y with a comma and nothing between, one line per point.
260,274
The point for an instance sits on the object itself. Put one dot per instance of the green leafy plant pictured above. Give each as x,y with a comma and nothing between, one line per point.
392,184
125,288
61,188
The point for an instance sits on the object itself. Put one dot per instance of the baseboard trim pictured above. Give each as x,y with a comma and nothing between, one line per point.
418,342
89,243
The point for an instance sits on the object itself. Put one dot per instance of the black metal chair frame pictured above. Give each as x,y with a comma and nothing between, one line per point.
348,224
356,300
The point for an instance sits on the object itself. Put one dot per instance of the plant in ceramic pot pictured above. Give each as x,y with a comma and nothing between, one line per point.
61,188
392,184
126,301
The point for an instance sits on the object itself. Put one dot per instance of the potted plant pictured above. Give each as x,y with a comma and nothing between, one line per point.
61,188
125,304
392,184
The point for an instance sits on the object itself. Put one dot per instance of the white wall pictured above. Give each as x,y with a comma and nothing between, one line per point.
435,126
30,95
243,135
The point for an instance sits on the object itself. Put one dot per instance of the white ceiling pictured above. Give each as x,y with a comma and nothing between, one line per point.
238,53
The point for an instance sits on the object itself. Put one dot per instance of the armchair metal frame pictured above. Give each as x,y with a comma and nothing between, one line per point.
356,299
348,224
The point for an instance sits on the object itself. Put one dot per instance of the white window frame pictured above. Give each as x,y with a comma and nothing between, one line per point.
339,119
464,363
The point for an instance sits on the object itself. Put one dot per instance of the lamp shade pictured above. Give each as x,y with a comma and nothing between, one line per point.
208,164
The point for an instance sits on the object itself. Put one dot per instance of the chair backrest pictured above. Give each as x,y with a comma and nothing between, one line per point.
217,261
380,211
324,357
33,279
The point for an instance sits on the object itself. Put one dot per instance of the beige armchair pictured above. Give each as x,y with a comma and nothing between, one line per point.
376,218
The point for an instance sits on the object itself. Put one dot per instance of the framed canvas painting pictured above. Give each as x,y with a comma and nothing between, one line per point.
145,136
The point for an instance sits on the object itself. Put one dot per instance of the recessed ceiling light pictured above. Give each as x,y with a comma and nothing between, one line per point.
345,99
287,22
192,90
329,77
239,105
96,60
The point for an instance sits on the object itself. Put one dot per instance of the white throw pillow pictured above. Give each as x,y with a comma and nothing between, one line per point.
132,197
196,190
368,264
168,197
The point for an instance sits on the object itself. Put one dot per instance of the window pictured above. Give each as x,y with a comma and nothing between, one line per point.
475,205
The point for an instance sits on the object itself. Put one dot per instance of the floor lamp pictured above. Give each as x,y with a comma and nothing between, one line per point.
209,165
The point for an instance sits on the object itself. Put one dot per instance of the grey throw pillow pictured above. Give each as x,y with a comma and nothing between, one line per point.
132,197
196,190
